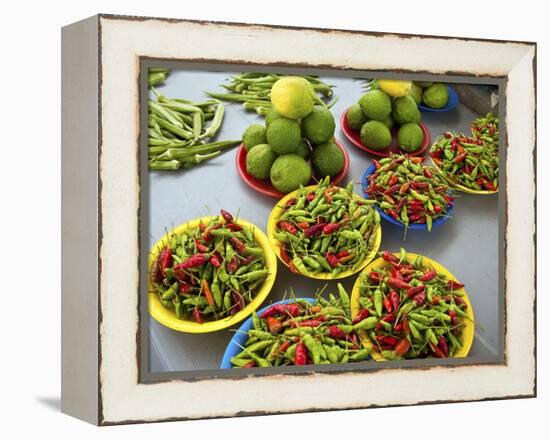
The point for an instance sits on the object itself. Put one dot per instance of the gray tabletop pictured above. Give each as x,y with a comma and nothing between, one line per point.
466,244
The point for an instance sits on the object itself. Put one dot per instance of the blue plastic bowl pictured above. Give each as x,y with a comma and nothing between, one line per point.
416,226
452,103
241,335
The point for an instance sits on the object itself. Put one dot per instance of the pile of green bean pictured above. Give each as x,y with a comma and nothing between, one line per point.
301,333
326,230
467,161
415,311
209,272
177,130
157,76
253,89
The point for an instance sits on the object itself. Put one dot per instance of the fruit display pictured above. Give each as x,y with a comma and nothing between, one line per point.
379,115
416,307
296,130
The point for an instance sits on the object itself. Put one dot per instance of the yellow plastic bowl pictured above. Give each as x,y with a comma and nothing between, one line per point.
460,187
168,317
276,245
467,336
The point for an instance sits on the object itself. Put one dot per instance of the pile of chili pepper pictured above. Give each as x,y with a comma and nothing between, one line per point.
301,333
486,128
177,130
209,272
468,161
409,191
416,312
326,230
157,76
253,89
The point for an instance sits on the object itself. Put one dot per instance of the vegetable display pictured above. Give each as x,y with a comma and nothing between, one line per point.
253,89
467,161
209,272
301,333
416,312
408,191
485,128
177,130
326,230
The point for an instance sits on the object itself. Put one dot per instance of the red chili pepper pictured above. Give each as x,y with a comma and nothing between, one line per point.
460,158
200,247
442,344
387,304
284,255
414,217
234,227
290,202
330,228
284,346
165,260
389,257
288,227
336,332
398,327
310,197
207,236
375,277
363,313
315,230
390,317
455,285
427,173
393,213
428,275
184,288
238,302
207,292
414,290
376,163
342,254
406,328
332,259
438,353
448,134
388,340
393,180
300,355
202,227
282,309
452,314
250,364
404,188
419,298
396,283
197,315
419,185
402,347
488,185
274,325
355,340
232,265
437,209
292,267
394,298
193,261
227,216
238,245
215,260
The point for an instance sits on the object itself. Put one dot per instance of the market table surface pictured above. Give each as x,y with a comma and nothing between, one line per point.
466,244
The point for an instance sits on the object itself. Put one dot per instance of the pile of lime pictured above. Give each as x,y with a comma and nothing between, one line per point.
431,94
297,139
387,105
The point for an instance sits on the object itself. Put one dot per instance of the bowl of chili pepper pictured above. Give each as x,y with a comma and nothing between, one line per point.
265,187
420,203
469,164
298,331
324,231
355,138
209,274
418,308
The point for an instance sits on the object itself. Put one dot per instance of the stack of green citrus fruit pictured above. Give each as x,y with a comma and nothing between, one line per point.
296,131
377,113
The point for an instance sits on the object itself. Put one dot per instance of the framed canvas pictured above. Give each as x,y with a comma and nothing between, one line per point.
406,277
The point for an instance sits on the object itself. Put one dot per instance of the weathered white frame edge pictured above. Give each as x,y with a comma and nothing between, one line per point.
121,42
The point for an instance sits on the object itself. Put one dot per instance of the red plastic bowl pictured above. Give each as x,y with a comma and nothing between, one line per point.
265,186
355,139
